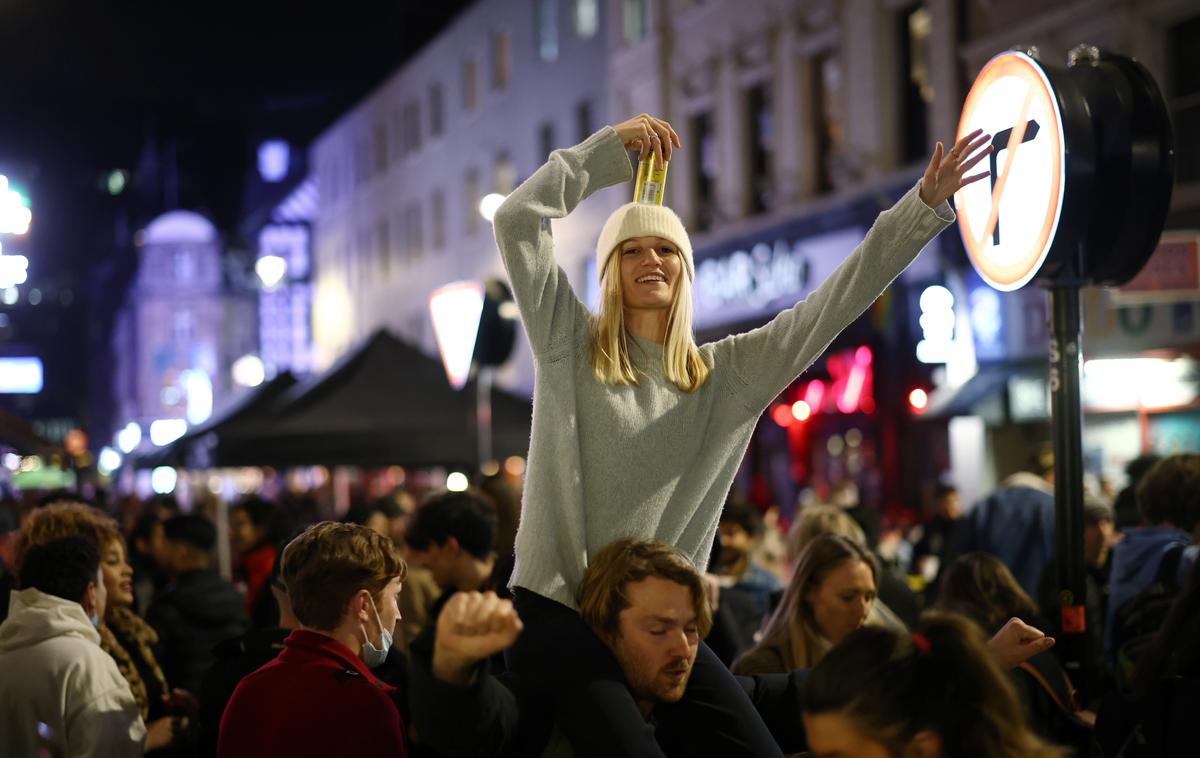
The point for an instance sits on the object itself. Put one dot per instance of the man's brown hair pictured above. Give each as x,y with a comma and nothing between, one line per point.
602,594
329,563
67,519
1169,493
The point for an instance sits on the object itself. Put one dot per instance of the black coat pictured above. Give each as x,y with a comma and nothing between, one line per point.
192,615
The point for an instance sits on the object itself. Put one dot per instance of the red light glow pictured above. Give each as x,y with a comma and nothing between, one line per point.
918,399
814,394
782,415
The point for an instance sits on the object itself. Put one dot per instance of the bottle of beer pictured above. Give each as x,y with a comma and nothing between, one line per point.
651,183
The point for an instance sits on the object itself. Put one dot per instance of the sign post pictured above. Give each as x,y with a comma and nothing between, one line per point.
1081,175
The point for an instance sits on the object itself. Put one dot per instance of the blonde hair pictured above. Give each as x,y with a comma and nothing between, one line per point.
609,346
792,629
816,520
602,593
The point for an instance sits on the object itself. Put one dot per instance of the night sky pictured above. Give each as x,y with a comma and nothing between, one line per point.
84,86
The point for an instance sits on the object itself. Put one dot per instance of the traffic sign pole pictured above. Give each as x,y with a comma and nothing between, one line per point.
1066,363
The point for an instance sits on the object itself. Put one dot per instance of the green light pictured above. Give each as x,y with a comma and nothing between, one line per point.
116,182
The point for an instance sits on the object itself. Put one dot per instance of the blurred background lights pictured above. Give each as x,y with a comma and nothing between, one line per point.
273,159
456,481
248,371
163,479
108,461
129,437
270,269
164,431
489,205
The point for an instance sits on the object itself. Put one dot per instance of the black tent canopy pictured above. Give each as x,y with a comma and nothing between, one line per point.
386,403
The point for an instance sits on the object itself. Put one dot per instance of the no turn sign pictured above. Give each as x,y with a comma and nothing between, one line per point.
1008,223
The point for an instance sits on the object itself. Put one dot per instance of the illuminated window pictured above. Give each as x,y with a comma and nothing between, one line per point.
437,114
504,174
470,84
546,20
917,94
758,134
501,60
587,18
636,17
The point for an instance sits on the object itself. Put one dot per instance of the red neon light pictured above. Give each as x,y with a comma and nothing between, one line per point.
852,395
814,394
862,356
782,415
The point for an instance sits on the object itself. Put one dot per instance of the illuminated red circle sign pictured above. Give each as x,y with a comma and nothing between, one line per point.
1008,223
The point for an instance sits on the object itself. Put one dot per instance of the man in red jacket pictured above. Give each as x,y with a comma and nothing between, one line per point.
319,698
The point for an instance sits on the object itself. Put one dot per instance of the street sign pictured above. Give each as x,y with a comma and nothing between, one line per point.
1008,223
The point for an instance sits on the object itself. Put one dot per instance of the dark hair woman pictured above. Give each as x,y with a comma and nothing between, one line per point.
256,526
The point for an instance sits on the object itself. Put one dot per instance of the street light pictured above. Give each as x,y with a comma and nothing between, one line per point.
15,215
248,371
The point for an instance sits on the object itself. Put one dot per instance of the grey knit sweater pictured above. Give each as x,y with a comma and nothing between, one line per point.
649,461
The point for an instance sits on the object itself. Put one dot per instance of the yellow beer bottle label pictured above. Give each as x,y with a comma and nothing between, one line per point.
651,183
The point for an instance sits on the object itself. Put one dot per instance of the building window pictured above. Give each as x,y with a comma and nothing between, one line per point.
917,93
827,113
185,265
437,116
586,18
362,162
1183,79
470,83
439,219
412,126
504,174
181,328
471,197
383,241
501,60
704,182
546,19
635,15
381,151
758,134
583,120
412,229
545,140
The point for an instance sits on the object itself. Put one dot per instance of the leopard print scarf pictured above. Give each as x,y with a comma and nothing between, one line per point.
141,634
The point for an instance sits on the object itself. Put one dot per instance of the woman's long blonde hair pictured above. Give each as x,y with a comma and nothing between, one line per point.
609,347
792,628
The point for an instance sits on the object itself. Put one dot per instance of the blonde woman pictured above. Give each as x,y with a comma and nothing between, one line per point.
637,431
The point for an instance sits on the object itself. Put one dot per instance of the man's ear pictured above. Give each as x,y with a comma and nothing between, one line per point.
924,744
89,598
451,545
360,606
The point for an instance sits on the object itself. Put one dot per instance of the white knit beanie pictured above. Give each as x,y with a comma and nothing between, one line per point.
643,220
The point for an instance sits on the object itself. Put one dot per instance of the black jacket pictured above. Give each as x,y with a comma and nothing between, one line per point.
496,718
192,615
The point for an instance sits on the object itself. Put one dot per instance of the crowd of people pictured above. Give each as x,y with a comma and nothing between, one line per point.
621,600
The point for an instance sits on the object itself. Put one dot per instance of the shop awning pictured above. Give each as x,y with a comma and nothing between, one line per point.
947,402
386,403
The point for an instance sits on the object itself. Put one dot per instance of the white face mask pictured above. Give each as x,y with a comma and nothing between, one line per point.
371,655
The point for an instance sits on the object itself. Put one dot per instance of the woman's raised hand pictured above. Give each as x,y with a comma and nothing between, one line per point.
945,173
648,135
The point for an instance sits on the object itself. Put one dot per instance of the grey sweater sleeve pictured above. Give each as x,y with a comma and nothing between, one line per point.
549,309
760,363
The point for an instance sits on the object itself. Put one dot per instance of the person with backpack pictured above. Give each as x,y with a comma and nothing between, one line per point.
1150,561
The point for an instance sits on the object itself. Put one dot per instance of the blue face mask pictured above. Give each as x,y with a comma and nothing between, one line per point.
375,656
95,620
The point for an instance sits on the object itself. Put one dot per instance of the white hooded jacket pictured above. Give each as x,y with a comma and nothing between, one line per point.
53,672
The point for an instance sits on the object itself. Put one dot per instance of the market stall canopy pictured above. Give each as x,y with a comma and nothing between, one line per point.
196,448
386,403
